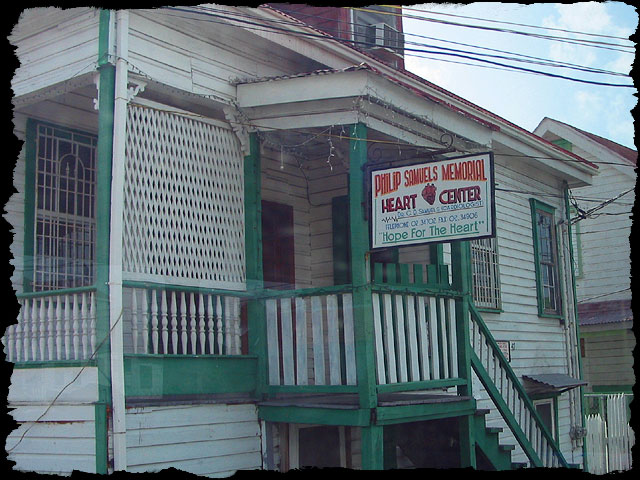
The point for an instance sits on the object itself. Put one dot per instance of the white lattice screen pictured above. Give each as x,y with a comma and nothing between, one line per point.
184,201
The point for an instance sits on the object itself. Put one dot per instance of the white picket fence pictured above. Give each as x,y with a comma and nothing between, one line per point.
609,437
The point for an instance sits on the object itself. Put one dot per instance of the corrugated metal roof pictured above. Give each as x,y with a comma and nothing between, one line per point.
559,382
613,311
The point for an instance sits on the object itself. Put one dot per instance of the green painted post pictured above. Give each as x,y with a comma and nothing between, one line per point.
103,218
29,205
372,435
253,259
372,447
462,281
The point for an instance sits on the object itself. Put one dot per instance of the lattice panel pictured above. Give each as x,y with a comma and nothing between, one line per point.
184,201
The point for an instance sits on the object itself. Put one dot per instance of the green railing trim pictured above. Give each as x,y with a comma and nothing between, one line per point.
186,288
304,292
421,385
56,293
337,389
56,364
417,290
497,398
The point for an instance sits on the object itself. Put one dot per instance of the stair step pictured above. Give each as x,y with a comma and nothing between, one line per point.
480,412
518,465
494,429
507,448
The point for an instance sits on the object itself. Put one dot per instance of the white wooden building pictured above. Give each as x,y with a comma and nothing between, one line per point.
194,269
603,256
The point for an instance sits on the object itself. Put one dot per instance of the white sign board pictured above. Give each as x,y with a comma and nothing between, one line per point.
431,202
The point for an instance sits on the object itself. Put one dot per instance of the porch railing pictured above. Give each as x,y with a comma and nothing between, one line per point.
182,320
415,337
510,399
53,326
310,337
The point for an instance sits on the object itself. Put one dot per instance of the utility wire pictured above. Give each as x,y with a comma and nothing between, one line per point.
586,214
604,295
531,59
505,23
586,43
255,26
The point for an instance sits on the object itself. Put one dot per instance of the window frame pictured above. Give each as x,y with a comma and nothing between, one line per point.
495,279
31,197
553,402
545,209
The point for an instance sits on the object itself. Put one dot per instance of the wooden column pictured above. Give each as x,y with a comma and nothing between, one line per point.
372,436
103,219
462,282
253,257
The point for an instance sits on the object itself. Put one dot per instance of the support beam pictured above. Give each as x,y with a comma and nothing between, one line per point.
253,256
372,447
362,306
106,104
462,281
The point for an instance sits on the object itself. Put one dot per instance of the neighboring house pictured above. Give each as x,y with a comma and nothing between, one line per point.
602,249
193,259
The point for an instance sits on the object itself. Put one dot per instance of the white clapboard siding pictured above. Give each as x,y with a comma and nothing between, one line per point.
197,58
287,186
65,46
208,440
56,438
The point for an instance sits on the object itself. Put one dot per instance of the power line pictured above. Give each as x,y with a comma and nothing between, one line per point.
532,59
507,23
327,37
586,43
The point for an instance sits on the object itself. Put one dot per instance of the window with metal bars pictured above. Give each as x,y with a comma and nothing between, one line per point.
64,208
486,278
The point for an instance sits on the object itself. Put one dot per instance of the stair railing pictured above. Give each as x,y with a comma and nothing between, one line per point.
510,398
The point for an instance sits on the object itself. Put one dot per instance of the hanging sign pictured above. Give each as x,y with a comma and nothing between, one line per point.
437,201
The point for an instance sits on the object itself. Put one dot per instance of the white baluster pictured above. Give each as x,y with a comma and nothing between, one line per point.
227,325
164,317
9,342
76,328
210,331
201,323
219,324
26,328
154,322
67,328
85,327
236,322
42,334
50,331
134,319
183,323
18,340
145,322
34,329
92,322
59,328
174,323
192,323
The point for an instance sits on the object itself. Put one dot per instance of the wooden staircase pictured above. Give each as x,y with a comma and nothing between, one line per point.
490,453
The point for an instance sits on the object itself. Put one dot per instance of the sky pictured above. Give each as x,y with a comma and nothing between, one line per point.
523,98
